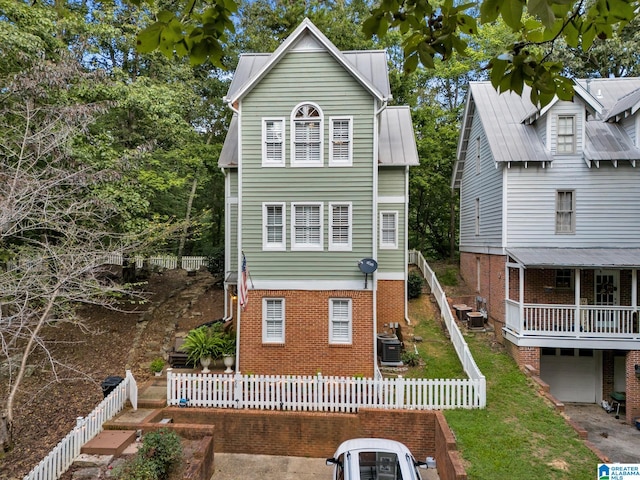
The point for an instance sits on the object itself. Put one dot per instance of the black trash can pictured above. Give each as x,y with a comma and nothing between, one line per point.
109,384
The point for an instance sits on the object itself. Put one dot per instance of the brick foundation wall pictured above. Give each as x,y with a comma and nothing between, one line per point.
633,386
524,356
317,435
390,303
306,350
491,282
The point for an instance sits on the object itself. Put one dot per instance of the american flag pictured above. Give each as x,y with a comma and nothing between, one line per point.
243,294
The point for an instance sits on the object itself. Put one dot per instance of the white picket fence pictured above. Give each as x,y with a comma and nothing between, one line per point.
320,393
170,262
461,347
62,456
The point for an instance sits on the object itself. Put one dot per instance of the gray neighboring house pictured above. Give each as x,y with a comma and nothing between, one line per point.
550,232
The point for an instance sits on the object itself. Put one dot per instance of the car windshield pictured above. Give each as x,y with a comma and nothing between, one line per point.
379,466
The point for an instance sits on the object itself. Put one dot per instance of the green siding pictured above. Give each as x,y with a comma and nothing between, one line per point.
391,181
233,182
307,77
233,238
393,260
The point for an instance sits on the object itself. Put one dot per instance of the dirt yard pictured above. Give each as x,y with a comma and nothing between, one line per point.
49,402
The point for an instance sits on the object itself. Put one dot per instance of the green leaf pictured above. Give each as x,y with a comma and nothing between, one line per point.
411,63
490,9
512,13
165,16
498,67
588,35
542,10
149,38
467,24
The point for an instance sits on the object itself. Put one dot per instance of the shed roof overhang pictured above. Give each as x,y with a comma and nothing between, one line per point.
576,257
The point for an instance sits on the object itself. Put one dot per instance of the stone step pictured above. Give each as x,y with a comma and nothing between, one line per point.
109,442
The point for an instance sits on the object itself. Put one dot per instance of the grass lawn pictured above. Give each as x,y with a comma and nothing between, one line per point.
518,436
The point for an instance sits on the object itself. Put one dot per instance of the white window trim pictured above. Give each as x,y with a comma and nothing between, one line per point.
340,341
340,163
573,135
384,245
478,159
345,247
306,246
477,217
266,245
319,163
265,338
281,162
573,212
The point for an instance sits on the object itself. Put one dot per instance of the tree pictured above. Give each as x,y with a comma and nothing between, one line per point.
54,246
431,30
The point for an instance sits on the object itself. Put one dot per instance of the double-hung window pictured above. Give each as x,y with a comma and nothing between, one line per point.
340,226
307,136
273,320
388,229
306,226
565,211
566,134
273,141
341,144
340,320
273,226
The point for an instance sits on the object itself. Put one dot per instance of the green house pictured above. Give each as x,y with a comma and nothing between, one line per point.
316,164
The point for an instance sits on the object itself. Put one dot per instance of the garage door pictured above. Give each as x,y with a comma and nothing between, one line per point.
571,374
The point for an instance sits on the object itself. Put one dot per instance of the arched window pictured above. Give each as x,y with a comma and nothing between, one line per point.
307,136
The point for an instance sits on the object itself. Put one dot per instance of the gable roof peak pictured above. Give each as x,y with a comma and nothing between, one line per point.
296,41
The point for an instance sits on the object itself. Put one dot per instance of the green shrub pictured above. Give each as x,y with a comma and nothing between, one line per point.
449,277
414,285
160,453
411,359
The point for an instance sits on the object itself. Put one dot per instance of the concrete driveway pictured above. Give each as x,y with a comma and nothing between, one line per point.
232,466
616,439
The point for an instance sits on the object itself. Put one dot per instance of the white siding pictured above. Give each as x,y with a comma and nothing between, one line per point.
577,109
487,186
606,199
630,126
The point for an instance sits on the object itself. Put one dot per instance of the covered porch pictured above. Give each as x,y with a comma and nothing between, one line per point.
581,294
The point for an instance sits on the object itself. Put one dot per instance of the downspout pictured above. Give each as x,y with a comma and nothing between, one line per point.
239,255
374,280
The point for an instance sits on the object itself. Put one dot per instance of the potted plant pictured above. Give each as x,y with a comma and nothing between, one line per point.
202,345
156,366
228,351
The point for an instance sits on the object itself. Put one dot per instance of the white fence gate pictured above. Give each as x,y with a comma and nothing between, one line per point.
62,456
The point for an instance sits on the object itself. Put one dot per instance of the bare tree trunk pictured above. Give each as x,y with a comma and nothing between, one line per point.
185,229
7,415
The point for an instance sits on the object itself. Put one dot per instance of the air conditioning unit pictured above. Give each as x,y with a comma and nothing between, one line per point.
391,351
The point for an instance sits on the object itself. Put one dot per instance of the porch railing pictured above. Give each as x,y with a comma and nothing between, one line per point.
571,320
320,393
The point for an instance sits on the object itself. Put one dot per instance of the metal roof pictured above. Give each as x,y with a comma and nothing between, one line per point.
397,144
305,35
629,103
396,141
609,141
370,64
610,91
576,257
229,154
510,140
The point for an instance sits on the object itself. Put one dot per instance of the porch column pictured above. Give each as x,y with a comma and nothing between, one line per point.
576,295
521,295
634,289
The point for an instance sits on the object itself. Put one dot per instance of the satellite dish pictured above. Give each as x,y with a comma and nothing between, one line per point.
368,265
